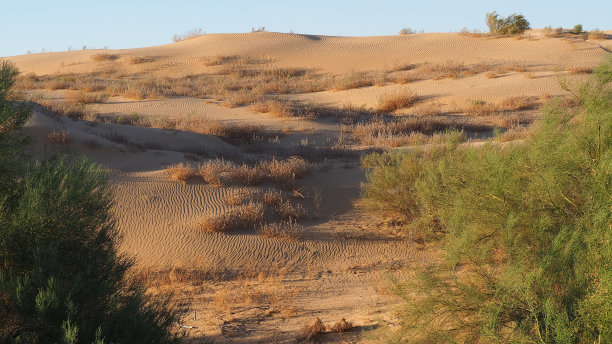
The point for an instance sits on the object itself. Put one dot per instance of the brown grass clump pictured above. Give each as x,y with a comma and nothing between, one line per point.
342,326
398,101
53,85
246,175
518,103
59,137
251,213
287,211
310,331
215,223
579,70
211,171
140,59
353,80
285,172
481,108
286,230
237,198
272,198
274,107
85,98
104,57
180,171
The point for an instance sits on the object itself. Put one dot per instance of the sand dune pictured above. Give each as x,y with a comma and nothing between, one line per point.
336,54
344,249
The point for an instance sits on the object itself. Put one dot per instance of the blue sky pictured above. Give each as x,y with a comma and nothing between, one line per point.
57,25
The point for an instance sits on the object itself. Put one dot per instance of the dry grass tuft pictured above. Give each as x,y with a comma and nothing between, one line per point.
353,80
140,59
518,103
579,70
285,172
238,197
215,223
311,331
85,98
287,211
272,198
246,175
104,57
342,326
59,137
286,230
249,214
398,101
180,171
211,171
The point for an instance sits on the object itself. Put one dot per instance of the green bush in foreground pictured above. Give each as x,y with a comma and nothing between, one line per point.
61,277
526,230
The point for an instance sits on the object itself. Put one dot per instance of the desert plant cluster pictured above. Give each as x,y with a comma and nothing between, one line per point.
525,228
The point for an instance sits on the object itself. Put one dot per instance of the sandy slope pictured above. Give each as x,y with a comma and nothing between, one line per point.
337,54
339,258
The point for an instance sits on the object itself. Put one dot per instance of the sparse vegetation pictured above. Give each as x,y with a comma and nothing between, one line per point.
180,171
596,35
59,137
104,57
188,35
286,230
62,279
394,102
525,229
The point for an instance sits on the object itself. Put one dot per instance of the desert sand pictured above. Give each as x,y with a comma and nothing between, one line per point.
253,288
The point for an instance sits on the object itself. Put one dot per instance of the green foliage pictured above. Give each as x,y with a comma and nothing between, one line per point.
13,116
61,277
512,25
528,239
577,29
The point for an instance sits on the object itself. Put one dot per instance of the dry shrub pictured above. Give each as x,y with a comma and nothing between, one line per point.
596,35
212,170
514,133
215,223
140,59
272,198
287,211
53,85
104,57
342,326
285,171
397,101
85,98
286,230
180,171
237,198
249,214
579,70
311,331
246,175
450,70
530,75
491,74
274,107
353,80
518,103
59,137
64,108
480,108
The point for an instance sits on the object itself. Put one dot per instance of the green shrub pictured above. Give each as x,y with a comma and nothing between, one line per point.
512,25
527,240
61,277
577,29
